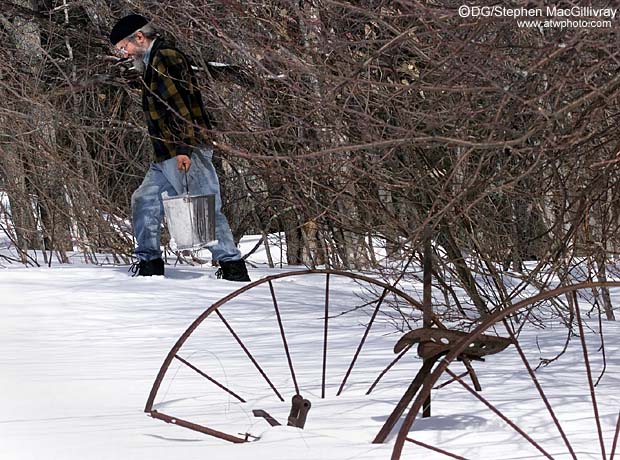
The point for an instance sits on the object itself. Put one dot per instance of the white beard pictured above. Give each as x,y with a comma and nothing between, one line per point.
138,64
138,60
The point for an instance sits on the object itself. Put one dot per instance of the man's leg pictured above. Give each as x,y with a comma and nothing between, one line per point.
147,212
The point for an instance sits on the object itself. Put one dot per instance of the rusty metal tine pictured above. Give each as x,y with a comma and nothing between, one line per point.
436,449
589,373
248,354
325,337
615,443
293,416
460,346
497,412
361,344
283,335
210,379
374,384
194,426
445,384
472,374
303,413
540,390
409,394
264,414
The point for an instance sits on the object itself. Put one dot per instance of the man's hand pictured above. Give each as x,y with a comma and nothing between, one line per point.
183,162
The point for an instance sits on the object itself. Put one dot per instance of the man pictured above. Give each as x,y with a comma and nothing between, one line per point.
176,121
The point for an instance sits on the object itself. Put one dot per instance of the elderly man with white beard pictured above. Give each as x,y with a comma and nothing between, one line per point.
177,123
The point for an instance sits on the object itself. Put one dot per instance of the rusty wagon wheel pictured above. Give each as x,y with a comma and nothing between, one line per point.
564,421
280,349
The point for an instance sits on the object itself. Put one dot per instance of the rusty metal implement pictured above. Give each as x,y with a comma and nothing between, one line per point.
432,342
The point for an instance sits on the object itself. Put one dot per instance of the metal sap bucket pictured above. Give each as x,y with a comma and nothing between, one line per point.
191,221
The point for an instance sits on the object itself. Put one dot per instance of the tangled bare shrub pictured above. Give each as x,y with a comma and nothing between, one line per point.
348,126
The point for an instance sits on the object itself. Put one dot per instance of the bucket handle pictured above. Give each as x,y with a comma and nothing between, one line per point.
186,181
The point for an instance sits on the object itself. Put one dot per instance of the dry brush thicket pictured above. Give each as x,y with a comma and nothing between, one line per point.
345,125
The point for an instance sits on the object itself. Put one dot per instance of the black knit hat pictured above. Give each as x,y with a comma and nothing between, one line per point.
127,26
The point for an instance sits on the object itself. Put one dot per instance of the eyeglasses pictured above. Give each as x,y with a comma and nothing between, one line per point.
122,50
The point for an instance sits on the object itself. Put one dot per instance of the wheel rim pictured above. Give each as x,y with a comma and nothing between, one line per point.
605,442
323,330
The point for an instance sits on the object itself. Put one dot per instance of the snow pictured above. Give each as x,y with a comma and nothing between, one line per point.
81,346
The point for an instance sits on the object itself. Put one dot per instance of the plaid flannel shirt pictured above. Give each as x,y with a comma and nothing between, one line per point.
175,115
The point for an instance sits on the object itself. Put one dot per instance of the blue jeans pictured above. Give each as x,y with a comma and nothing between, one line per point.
148,209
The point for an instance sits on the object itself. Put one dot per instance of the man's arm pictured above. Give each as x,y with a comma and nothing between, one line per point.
175,92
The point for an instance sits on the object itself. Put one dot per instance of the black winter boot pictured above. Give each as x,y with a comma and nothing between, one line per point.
233,270
153,267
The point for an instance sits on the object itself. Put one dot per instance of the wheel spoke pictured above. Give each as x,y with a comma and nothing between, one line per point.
540,390
394,361
435,449
249,355
283,335
361,344
323,377
499,413
586,359
615,443
210,379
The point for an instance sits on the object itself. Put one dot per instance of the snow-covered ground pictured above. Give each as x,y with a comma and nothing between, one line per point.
80,347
